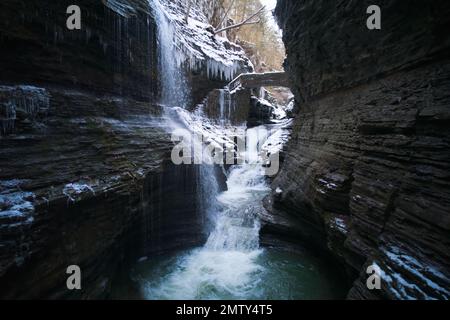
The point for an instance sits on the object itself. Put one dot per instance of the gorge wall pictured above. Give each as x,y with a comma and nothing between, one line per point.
366,173
85,170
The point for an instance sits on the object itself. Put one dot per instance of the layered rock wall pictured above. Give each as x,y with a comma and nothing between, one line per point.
367,169
114,52
85,172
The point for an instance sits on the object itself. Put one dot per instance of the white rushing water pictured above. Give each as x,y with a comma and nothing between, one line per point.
174,91
226,266
231,264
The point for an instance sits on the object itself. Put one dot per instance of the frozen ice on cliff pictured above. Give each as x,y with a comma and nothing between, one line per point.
28,101
195,45
71,190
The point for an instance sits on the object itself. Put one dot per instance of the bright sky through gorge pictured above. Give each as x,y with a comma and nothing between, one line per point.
270,4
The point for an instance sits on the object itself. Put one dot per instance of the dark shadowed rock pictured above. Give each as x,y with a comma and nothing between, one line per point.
366,172
85,170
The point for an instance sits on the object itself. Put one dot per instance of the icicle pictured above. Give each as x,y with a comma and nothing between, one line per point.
7,118
190,47
30,100
222,105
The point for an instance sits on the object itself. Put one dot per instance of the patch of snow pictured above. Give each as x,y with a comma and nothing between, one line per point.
327,184
320,191
215,135
278,190
381,273
279,113
15,203
279,136
73,189
142,259
427,274
264,102
290,107
141,172
341,225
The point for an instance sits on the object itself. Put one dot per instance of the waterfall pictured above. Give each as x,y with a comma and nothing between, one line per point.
227,265
237,225
234,237
226,107
173,85
222,106
231,264
175,96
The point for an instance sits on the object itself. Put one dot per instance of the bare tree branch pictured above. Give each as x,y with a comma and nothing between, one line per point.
226,15
245,22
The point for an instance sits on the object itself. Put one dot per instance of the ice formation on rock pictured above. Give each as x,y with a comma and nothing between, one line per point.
196,47
26,100
73,190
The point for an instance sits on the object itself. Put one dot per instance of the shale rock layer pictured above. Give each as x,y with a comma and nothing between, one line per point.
85,172
366,173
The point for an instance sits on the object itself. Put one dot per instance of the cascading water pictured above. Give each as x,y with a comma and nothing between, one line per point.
174,92
175,96
231,264
227,264
237,226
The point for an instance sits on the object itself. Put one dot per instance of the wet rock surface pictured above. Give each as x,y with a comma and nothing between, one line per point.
366,171
113,53
85,170
222,106
84,186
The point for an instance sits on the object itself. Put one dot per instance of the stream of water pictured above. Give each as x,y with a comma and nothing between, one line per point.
231,264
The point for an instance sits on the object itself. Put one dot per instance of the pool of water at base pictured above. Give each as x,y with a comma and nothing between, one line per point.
204,274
